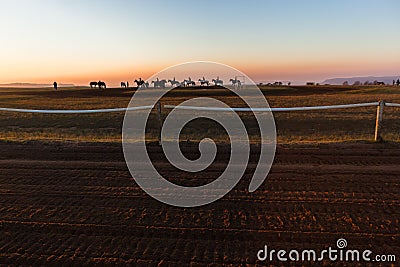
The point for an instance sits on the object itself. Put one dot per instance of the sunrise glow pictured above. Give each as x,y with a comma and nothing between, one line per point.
78,41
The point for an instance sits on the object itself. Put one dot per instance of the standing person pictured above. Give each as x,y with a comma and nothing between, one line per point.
55,86
398,82
127,84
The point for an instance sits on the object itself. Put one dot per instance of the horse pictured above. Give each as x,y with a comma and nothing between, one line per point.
123,84
174,82
101,84
139,82
204,82
235,82
162,83
218,81
189,82
93,84
159,83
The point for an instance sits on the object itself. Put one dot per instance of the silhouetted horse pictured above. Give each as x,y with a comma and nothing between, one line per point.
188,82
141,83
174,82
159,83
218,81
101,84
204,82
123,84
93,84
235,82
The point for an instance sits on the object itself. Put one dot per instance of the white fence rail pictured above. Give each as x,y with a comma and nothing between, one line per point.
88,111
372,104
72,111
379,114
392,105
381,104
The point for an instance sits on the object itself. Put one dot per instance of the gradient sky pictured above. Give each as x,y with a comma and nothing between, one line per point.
75,41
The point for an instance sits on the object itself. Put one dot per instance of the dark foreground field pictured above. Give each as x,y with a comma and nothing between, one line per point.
76,204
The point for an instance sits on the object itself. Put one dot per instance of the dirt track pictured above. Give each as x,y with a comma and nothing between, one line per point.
76,204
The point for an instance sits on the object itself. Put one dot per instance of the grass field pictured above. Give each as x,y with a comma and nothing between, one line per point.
292,127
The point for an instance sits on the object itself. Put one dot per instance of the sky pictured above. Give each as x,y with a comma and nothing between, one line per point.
75,41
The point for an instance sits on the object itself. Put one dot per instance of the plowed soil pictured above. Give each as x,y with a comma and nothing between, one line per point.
77,204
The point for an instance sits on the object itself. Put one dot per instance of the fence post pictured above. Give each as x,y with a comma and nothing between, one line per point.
378,124
160,120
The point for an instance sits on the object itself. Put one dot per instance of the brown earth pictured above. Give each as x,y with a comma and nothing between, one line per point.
76,204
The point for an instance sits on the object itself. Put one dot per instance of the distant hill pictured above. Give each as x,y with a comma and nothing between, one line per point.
33,85
351,80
